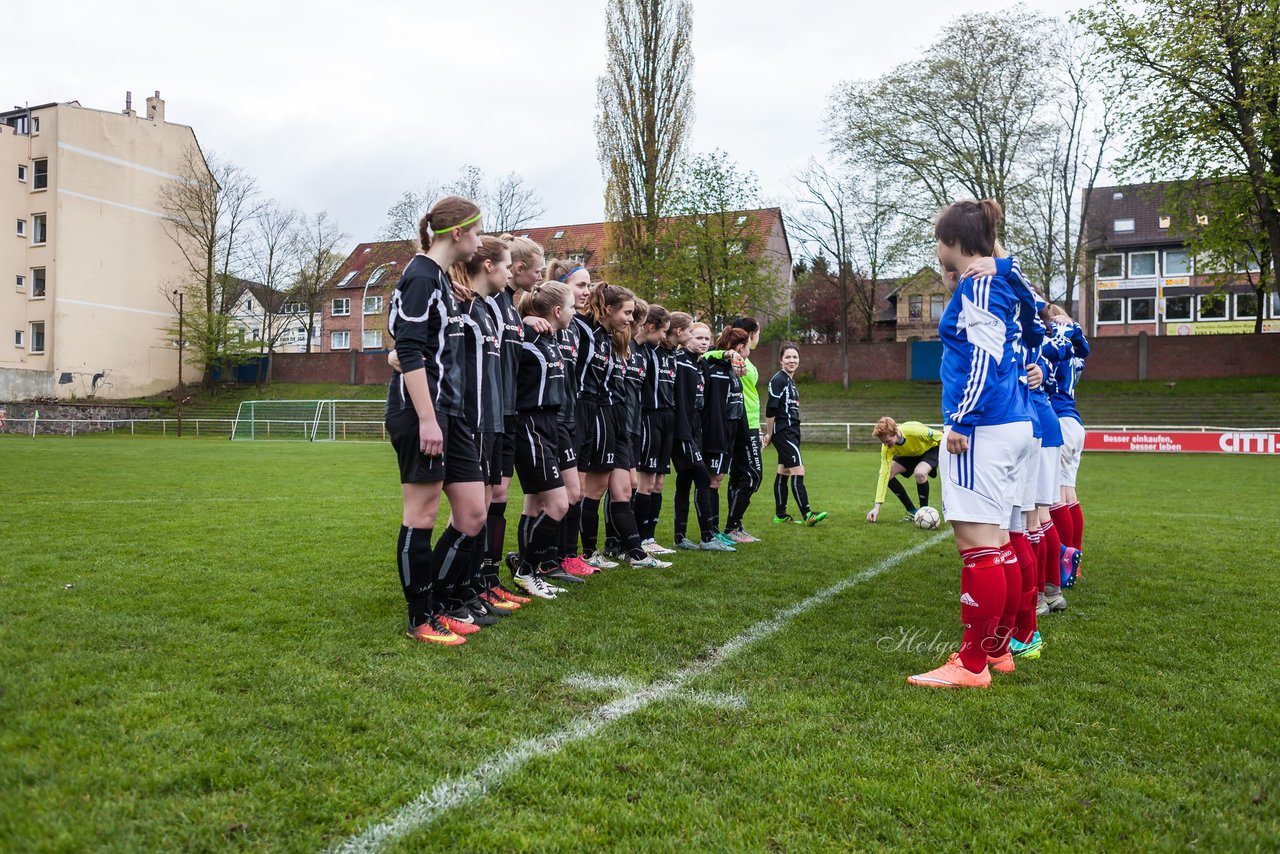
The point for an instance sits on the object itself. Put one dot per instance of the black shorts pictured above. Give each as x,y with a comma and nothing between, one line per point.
686,454
568,438
488,442
717,462
460,462
597,446
654,454
930,456
787,443
537,449
504,453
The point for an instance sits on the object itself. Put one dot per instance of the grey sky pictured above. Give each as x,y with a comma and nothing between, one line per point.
342,106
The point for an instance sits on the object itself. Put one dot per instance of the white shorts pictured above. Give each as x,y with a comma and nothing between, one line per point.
1072,446
1048,492
981,485
1028,476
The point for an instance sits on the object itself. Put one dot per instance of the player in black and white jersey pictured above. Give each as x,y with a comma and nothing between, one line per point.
693,340
602,362
782,413
540,394
723,414
657,405
526,271
426,420
578,280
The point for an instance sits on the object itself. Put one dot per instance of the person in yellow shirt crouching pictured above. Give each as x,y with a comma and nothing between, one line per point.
909,447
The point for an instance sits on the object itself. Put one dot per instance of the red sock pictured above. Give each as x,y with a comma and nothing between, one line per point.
1051,563
1061,517
1012,594
1024,624
981,605
1077,527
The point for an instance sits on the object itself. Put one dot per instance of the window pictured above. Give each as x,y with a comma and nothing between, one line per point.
40,174
20,282
1201,219
1213,307
256,333
39,229
372,339
1177,308
937,304
1275,304
1122,225
346,280
373,305
378,274
17,338
22,228
1177,262
37,282
292,308
340,341
1110,266
1142,264
1246,306
1245,264
915,307
1164,222
1111,311
1142,310
37,337
341,307
558,235
1117,195
22,172
35,125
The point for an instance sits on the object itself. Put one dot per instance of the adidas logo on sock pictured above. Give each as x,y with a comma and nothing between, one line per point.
966,599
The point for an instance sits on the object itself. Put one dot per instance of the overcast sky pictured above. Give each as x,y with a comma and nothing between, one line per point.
343,106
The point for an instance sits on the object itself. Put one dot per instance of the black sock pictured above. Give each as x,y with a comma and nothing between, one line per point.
522,534
610,528
569,530
922,490
413,557
801,494
495,530
680,504
528,533
590,524
451,554
543,551
780,495
896,487
628,535
655,511
640,504
714,498
477,582
738,500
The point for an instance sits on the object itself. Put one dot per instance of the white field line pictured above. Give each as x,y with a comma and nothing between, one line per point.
482,779
623,685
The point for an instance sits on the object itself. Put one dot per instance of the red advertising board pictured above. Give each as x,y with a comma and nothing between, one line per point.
1173,441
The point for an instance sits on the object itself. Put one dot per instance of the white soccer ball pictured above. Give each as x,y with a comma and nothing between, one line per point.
927,518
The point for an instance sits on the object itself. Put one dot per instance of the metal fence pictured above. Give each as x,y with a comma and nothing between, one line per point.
849,433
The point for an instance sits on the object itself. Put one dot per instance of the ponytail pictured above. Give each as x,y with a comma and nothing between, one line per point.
543,299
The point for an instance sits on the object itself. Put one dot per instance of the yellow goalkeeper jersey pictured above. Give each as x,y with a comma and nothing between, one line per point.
917,440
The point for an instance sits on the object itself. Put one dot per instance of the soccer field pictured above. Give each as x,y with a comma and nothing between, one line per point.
203,649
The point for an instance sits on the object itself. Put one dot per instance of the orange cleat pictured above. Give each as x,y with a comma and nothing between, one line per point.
1002,663
953,674
432,632
493,600
458,627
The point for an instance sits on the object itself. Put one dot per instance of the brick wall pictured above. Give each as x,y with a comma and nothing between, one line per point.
1113,358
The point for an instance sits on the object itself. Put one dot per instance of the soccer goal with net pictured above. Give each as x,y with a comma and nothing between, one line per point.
309,420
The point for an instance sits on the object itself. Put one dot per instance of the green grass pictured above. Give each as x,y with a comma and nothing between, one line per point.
201,649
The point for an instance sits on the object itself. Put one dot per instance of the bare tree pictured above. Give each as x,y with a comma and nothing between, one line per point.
511,204
854,221
403,217
644,109
959,121
320,242
208,210
274,262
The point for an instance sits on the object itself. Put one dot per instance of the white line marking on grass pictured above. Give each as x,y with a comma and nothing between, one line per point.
623,685
482,779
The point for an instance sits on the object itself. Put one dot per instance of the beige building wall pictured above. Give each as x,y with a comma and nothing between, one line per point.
109,262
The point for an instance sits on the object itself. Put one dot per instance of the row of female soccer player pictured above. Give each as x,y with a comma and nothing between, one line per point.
590,395
1012,438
